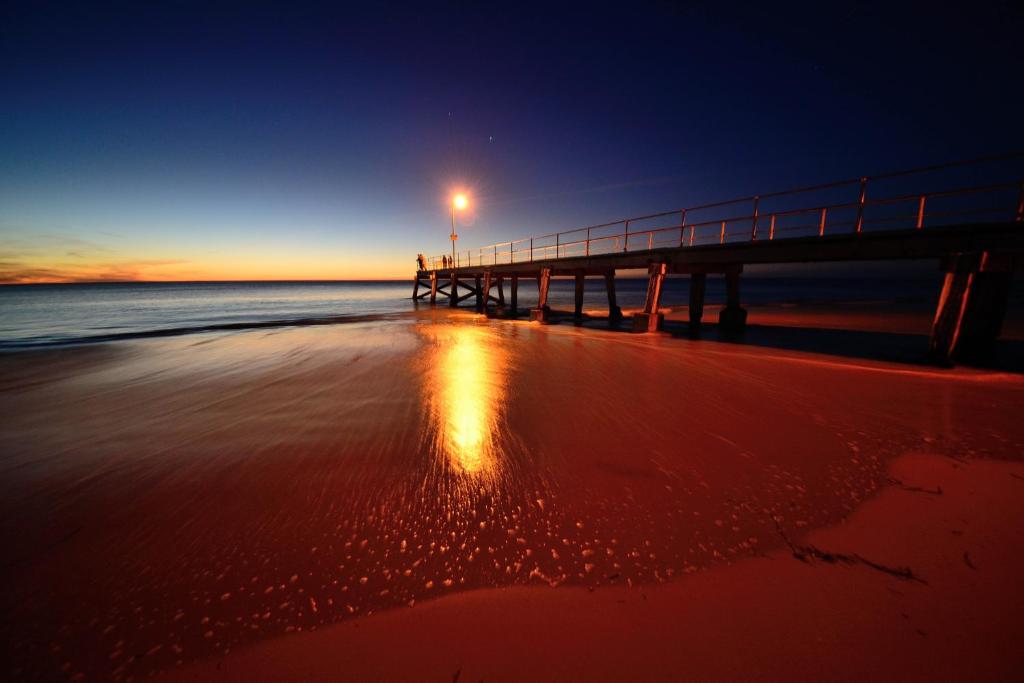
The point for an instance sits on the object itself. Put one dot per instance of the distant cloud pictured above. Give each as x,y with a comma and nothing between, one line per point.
17,272
54,257
23,275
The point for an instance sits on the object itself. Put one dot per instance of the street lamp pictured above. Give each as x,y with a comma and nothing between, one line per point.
459,201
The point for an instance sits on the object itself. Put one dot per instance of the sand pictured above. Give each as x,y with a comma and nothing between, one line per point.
212,499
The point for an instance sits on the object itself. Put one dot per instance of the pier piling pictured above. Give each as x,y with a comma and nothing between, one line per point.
971,308
614,312
453,290
698,284
542,312
578,308
484,295
650,320
514,296
732,318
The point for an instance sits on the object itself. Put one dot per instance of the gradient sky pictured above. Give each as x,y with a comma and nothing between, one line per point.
251,141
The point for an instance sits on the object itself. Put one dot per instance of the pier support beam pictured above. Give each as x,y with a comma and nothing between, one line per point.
416,288
614,312
732,318
433,286
515,296
501,291
542,312
479,294
453,291
971,308
577,310
650,320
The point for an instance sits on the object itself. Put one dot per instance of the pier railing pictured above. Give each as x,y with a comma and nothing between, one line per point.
846,206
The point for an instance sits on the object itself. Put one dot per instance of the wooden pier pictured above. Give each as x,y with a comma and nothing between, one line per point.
975,233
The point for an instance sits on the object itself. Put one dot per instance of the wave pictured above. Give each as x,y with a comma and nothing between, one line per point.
45,342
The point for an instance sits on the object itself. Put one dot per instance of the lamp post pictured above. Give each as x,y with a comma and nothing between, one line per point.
459,201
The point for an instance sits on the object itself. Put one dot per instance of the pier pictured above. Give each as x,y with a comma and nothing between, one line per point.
975,232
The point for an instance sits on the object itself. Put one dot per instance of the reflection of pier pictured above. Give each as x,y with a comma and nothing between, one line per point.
974,231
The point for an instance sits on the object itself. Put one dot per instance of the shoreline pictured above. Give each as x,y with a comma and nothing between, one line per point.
852,317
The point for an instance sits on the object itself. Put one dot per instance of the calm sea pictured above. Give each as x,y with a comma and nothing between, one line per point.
32,316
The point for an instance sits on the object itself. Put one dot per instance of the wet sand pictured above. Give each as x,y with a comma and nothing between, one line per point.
205,498
915,586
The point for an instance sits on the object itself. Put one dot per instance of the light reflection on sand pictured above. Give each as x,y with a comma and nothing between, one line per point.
465,390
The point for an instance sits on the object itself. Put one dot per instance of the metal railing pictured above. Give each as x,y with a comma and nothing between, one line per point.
756,217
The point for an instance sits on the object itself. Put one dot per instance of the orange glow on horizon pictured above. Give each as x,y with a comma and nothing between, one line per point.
255,266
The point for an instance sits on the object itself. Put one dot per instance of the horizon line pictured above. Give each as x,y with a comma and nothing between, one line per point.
639,276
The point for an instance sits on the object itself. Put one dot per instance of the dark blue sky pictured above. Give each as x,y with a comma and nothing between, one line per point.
214,140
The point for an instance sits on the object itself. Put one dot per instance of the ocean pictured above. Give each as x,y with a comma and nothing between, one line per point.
33,316
40,315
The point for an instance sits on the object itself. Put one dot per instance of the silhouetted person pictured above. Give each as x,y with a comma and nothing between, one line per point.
421,262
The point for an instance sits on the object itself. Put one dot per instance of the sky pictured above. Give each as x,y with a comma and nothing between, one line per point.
223,141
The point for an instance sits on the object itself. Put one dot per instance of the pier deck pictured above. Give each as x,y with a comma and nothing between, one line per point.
975,232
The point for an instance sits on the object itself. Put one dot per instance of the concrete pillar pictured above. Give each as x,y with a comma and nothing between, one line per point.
542,312
415,287
650,320
453,291
698,285
433,287
479,299
732,318
971,308
515,296
614,312
577,310
501,291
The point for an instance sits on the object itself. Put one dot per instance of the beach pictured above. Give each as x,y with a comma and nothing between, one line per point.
438,494
494,342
